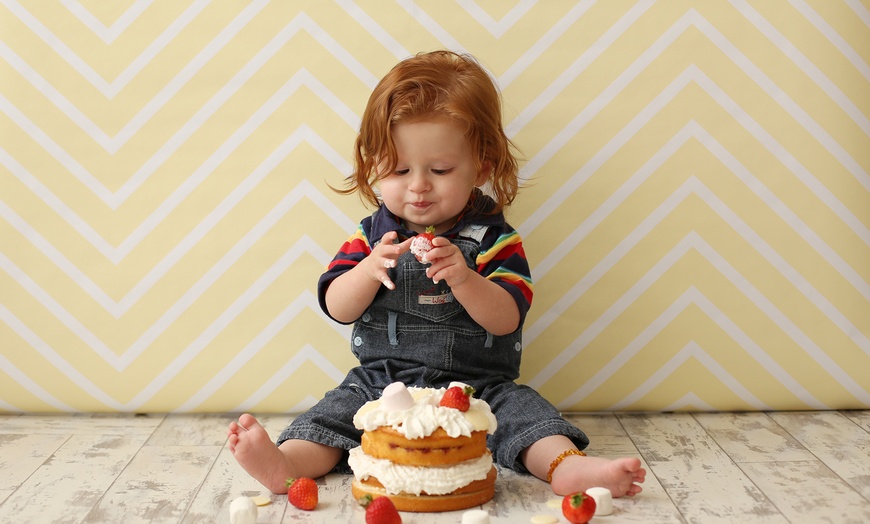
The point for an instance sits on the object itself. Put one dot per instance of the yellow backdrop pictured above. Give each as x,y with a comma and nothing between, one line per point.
696,212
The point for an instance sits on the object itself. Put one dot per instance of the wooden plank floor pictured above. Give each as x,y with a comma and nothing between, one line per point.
728,467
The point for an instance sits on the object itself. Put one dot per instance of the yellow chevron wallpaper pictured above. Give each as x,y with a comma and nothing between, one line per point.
696,204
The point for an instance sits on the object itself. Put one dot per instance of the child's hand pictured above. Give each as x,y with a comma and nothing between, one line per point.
384,256
448,263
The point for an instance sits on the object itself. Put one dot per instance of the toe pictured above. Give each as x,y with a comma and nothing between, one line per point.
247,421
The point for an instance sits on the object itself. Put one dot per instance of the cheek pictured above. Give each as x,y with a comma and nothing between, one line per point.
389,188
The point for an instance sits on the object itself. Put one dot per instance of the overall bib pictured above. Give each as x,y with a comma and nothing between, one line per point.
427,336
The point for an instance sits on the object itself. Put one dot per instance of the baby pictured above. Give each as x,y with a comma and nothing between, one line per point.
431,140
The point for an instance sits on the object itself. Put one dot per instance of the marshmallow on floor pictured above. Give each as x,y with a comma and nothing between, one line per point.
243,510
603,500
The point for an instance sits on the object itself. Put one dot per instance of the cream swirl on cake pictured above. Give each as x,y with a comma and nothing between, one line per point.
425,416
398,478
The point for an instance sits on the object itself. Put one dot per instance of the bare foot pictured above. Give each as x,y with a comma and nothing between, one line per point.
257,454
620,476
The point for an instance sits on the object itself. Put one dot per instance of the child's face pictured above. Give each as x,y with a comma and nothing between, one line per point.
434,176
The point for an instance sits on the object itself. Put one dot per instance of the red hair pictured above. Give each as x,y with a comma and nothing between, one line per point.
429,85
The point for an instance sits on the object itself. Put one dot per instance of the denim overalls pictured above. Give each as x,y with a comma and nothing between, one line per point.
420,335
421,327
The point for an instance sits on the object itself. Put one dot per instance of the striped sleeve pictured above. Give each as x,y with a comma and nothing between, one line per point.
351,252
354,250
505,261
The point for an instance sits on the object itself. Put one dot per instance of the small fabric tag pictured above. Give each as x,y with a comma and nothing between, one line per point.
435,299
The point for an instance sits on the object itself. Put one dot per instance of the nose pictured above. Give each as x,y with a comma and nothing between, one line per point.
417,182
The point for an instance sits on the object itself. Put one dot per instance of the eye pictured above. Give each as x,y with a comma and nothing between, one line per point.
441,171
401,172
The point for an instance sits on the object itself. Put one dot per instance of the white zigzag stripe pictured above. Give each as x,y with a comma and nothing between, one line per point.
860,10
497,29
692,73
116,255
27,383
306,299
571,72
303,134
691,350
174,311
58,311
691,19
692,240
303,245
258,343
811,237
112,145
222,321
50,92
689,400
107,34
111,89
691,297
694,130
831,34
55,359
805,64
791,107
781,153
543,44
117,309
429,23
64,159
379,33
307,353
9,407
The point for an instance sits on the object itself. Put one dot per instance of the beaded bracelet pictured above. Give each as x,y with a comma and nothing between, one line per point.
558,460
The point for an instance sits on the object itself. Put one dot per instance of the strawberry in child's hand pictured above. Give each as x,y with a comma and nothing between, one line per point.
302,493
457,397
422,243
380,510
578,507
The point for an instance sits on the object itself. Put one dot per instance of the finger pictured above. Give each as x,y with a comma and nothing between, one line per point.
389,263
385,280
441,242
404,246
389,237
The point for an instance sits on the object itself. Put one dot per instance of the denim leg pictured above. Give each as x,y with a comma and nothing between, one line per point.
330,421
524,417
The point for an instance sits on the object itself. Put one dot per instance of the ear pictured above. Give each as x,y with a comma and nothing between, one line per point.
484,174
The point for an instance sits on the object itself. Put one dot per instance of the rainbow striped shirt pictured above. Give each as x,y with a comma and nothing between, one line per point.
501,258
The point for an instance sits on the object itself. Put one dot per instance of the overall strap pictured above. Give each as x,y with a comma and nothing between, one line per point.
476,232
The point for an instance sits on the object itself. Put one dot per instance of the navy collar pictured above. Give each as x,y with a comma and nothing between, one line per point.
383,221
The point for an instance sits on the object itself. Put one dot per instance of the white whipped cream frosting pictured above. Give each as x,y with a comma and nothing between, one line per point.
425,416
397,478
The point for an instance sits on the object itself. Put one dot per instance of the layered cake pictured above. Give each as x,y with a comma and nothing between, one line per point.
423,455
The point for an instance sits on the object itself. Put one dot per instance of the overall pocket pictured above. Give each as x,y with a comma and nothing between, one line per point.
428,300
425,299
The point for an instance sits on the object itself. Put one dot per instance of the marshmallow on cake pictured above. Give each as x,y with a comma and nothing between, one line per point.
423,456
